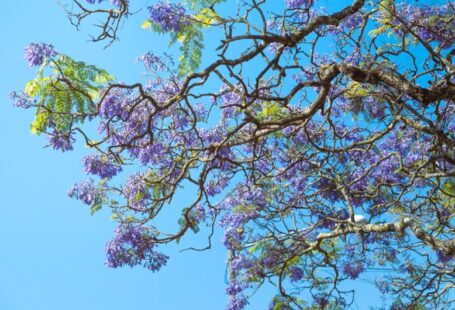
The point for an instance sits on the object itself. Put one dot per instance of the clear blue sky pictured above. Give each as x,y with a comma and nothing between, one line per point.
51,250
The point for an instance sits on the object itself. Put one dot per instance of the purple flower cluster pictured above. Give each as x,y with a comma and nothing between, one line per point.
61,141
201,111
169,16
431,23
125,118
22,100
100,166
443,258
295,4
198,214
352,269
137,191
152,61
114,2
329,219
133,245
354,57
351,22
36,53
237,299
321,301
152,154
279,302
215,187
85,191
114,104
295,274
241,262
270,259
275,46
232,238
236,216
117,2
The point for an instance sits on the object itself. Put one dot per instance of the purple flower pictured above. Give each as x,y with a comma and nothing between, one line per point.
430,23
153,153
152,61
330,219
279,302
100,166
169,16
117,2
201,111
295,4
443,258
241,262
198,213
237,300
36,53
352,21
232,238
114,2
137,191
275,46
114,104
61,141
321,301
354,57
295,274
214,188
270,260
132,246
352,269
22,100
85,191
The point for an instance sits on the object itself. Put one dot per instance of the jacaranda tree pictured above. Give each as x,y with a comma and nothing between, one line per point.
320,140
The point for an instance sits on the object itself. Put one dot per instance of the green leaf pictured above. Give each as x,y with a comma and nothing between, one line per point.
207,17
65,97
198,5
258,245
147,24
40,122
378,31
156,193
449,187
191,39
95,208
356,90
271,110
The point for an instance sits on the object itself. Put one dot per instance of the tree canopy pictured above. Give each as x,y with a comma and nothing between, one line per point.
320,140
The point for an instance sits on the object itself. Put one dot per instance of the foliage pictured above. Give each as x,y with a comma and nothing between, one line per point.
66,96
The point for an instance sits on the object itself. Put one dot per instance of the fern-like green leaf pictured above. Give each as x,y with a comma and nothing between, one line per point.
66,96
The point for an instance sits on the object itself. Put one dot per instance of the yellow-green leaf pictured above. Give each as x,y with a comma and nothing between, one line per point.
93,94
207,17
31,88
355,90
147,24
